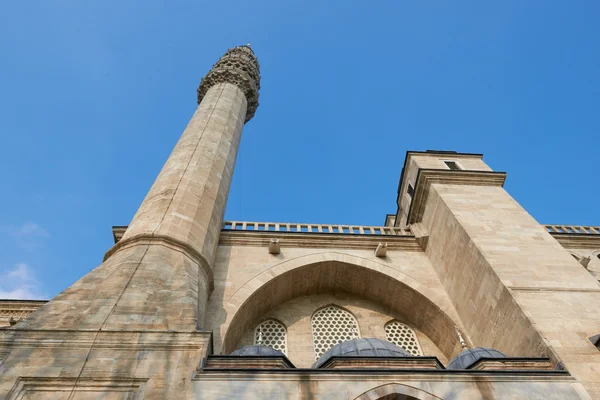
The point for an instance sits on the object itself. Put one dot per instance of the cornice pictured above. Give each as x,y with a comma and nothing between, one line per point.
577,240
385,375
426,177
19,304
449,154
167,241
317,240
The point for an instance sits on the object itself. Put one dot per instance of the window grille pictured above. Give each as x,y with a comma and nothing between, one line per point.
271,333
403,336
330,326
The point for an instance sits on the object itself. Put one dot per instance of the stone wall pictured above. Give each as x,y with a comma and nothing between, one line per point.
296,315
250,282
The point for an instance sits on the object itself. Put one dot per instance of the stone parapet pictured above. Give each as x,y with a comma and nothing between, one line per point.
12,311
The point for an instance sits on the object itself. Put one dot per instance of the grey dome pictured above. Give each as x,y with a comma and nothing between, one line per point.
468,357
366,347
257,350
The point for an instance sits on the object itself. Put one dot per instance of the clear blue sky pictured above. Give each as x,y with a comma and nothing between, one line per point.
95,94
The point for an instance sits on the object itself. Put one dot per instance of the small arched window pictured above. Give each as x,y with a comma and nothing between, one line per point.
332,325
273,334
403,336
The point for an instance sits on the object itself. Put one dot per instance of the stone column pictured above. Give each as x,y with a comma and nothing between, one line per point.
159,275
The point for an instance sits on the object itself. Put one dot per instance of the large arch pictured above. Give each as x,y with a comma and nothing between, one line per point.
415,303
396,391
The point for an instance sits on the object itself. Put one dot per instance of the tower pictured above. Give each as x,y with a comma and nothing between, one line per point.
151,290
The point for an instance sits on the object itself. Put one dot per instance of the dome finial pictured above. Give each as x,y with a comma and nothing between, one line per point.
248,44
463,344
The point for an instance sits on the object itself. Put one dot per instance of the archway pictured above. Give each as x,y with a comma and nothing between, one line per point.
327,272
396,391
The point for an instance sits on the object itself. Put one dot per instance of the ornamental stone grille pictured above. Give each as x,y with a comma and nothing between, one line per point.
330,326
271,334
403,336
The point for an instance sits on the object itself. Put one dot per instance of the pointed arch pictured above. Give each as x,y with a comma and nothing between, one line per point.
271,333
397,391
403,336
423,308
332,325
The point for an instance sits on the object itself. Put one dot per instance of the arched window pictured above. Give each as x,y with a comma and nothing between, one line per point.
403,336
332,325
273,334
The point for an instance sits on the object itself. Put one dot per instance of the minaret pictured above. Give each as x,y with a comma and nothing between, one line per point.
159,275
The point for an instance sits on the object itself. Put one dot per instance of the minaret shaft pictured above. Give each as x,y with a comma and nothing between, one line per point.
159,275
187,201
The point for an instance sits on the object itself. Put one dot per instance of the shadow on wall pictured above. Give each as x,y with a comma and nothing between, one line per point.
371,281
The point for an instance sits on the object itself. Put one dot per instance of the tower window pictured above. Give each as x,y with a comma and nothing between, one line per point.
452,165
595,341
410,190
332,325
403,336
272,334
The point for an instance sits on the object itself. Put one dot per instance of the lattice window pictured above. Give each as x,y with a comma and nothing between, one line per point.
403,336
330,326
271,333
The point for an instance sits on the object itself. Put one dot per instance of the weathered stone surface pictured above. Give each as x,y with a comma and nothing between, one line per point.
91,341
175,289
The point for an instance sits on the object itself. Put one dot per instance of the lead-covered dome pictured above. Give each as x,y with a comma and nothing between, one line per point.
365,347
468,357
257,351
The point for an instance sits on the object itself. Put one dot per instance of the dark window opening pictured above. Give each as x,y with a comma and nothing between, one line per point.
452,165
595,341
410,190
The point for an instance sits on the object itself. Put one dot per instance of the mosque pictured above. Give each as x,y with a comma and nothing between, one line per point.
459,294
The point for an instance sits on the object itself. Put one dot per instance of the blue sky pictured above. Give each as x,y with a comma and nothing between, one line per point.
95,94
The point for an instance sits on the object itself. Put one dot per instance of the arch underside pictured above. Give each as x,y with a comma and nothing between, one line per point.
395,391
328,276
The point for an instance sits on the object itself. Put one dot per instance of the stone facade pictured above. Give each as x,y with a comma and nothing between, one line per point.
461,264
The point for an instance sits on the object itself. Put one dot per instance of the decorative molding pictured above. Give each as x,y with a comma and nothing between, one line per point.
26,386
117,340
384,375
551,289
513,363
17,310
316,240
426,177
167,241
577,240
244,362
443,154
239,67
341,362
